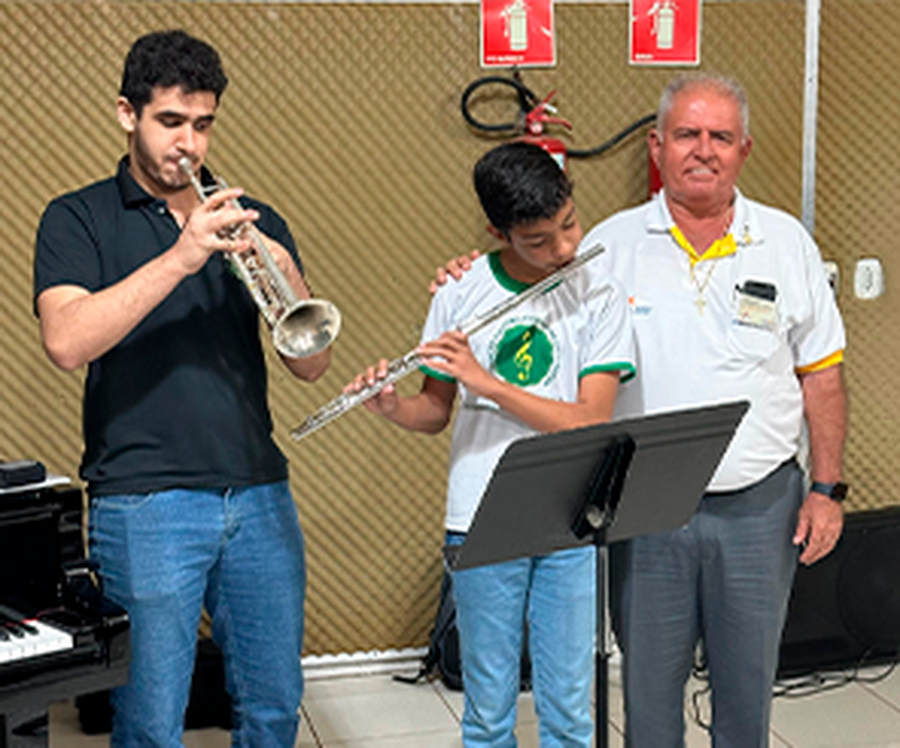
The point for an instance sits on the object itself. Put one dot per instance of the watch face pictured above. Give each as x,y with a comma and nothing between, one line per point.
839,492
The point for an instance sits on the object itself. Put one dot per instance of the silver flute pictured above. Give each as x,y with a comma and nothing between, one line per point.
401,367
300,328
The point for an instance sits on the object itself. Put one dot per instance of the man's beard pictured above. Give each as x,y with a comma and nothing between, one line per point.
153,172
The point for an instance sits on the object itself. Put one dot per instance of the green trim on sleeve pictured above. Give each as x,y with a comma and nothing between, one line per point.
434,374
625,369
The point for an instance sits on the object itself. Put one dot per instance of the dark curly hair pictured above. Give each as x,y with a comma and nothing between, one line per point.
170,58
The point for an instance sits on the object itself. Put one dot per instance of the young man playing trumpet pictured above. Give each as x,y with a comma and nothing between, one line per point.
190,505
553,364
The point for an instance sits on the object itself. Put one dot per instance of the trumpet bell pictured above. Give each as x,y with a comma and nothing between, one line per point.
306,328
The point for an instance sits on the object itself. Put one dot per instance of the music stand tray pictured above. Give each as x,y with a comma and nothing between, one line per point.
595,486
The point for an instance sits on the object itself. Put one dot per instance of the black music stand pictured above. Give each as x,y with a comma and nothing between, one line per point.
595,486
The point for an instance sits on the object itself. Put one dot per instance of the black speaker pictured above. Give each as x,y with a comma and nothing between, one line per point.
844,610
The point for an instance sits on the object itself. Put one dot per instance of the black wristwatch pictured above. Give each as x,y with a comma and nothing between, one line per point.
836,491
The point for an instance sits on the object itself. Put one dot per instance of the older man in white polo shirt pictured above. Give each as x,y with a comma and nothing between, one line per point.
730,301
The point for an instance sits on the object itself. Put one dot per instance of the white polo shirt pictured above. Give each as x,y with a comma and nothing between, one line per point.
692,353
546,345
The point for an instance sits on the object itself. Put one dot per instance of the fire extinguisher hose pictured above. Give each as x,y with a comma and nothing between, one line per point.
527,101
614,140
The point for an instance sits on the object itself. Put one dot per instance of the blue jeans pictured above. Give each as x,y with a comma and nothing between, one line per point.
724,578
238,552
555,593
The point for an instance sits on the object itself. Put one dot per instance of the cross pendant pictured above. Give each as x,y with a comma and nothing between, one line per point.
700,304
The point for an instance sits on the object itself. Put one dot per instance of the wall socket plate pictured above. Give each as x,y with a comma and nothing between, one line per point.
833,274
868,280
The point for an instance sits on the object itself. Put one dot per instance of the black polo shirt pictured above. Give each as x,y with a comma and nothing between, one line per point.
181,402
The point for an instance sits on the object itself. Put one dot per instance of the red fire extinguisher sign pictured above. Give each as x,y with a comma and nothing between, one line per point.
664,32
517,32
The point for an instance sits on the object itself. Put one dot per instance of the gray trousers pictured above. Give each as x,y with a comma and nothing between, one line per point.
725,579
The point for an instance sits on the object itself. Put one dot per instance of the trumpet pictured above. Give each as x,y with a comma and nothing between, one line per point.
401,367
300,328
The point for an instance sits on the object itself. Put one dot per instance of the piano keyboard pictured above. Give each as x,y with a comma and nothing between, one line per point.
26,639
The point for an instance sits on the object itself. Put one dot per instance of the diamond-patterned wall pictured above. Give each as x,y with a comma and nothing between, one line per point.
346,118
858,183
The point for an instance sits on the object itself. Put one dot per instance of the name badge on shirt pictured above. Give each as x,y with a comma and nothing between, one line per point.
756,305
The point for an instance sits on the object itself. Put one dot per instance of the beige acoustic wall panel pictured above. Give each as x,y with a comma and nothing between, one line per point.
858,179
346,118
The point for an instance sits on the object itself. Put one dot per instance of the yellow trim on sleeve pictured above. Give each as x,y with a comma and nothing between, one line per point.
832,360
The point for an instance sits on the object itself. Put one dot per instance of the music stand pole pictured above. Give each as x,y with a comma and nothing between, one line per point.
602,654
596,513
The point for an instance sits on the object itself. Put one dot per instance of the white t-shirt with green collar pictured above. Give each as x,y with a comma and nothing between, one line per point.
546,345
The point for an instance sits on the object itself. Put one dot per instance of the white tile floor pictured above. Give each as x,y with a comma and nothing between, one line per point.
376,712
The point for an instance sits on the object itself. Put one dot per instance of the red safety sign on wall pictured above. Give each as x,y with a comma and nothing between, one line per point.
664,32
517,32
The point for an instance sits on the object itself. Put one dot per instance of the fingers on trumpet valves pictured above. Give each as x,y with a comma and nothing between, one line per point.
233,236
223,198
227,213
227,240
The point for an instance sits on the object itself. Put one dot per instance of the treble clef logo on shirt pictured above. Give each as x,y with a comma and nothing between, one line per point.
523,357
523,353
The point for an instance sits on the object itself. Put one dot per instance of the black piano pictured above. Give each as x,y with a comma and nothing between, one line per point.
59,637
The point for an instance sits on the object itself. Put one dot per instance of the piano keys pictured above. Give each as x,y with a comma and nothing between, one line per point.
63,638
25,639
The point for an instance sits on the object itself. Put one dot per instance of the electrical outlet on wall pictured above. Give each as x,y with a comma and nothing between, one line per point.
833,273
868,281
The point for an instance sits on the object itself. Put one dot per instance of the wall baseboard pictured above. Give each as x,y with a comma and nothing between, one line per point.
351,665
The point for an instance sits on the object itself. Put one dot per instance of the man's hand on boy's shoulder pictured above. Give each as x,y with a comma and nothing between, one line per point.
455,269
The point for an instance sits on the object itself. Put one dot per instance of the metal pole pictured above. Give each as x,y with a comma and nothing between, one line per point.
601,656
810,112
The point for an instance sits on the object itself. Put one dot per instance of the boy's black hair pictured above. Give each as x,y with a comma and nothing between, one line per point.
519,183
167,59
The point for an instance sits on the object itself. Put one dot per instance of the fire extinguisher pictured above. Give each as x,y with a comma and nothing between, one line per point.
535,122
534,115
